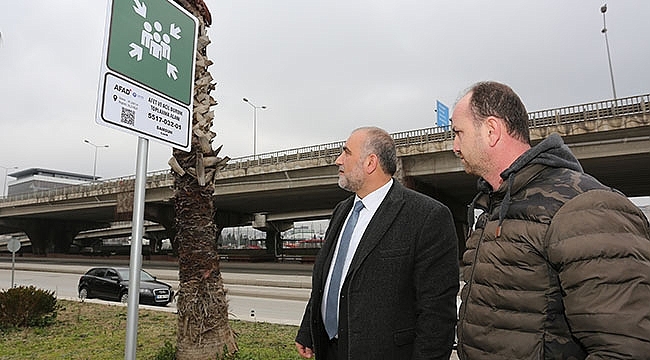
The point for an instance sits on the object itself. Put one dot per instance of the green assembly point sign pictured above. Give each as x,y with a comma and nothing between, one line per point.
146,85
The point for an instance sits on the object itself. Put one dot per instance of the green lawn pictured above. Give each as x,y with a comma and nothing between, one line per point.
94,331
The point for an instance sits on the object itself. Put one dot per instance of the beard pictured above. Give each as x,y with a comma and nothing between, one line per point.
468,168
476,160
478,166
352,180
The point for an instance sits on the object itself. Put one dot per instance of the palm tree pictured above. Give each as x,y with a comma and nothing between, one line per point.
203,328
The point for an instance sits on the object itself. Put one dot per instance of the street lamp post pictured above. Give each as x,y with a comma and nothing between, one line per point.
95,162
603,9
254,123
4,184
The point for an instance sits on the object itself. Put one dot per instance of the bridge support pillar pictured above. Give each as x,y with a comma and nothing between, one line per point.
165,216
53,236
273,242
273,229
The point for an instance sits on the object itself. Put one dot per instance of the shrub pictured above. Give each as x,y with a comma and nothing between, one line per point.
25,306
167,352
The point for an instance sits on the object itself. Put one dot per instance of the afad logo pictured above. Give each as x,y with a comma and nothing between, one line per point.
122,89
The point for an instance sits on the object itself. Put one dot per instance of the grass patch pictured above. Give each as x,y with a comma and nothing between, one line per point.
91,331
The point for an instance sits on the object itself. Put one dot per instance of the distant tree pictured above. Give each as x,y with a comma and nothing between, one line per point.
203,328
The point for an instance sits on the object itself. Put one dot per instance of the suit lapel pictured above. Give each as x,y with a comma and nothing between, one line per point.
379,224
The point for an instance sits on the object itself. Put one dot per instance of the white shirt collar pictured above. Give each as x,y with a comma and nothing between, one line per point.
372,201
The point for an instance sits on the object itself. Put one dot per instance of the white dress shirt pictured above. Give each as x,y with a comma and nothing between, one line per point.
370,205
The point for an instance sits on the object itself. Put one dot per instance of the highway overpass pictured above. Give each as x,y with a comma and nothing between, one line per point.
270,191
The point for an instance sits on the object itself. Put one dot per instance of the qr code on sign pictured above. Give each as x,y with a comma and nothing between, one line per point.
127,116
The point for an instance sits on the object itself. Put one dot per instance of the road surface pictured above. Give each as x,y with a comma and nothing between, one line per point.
275,296
247,302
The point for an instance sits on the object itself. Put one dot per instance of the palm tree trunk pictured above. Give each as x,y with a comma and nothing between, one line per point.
203,328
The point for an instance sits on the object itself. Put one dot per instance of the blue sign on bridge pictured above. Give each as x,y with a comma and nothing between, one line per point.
443,114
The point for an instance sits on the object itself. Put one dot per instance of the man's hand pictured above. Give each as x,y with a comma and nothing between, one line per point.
304,351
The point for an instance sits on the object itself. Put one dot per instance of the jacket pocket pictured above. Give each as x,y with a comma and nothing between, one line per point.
403,337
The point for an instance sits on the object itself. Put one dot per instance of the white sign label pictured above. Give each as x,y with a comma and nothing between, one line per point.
144,111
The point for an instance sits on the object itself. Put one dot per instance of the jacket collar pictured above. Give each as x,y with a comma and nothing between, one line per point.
380,223
550,152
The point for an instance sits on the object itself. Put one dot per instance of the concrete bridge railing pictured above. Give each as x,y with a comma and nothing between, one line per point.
582,113
600,110
91,189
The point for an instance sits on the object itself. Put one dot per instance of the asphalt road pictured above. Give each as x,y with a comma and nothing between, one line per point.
247,306
264,292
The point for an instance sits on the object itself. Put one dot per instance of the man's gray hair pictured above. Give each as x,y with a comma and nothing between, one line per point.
380,143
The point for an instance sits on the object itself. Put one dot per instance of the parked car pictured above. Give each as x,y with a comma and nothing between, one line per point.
112,283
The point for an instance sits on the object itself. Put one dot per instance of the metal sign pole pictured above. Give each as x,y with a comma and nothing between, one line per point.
13,263
13,245
135,263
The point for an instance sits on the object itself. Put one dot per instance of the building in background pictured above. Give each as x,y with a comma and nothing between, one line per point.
38,179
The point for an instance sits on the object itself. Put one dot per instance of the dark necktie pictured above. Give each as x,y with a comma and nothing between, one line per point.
331,308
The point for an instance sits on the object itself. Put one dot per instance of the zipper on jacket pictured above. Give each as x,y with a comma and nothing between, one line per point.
469,283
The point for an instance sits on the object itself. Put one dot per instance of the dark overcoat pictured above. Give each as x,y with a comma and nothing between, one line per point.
398,300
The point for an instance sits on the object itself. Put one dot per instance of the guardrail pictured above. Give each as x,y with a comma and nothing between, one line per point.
605,109
103,187
565,115
592,111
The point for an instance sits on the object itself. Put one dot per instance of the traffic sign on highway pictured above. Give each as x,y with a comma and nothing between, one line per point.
443,114
13,245
147,76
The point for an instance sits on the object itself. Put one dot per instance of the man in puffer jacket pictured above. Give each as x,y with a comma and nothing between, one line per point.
558,264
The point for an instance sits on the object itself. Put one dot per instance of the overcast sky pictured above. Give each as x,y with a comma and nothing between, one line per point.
322,68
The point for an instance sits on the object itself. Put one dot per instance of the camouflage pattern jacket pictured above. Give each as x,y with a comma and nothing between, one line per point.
558,266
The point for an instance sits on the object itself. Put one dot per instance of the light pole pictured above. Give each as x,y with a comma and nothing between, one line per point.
254,123
603,9
4,184
95,163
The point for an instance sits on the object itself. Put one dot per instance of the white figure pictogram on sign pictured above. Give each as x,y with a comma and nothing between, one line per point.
155,41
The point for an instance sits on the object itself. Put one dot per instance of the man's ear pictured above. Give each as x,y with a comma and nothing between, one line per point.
495,128
371,163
